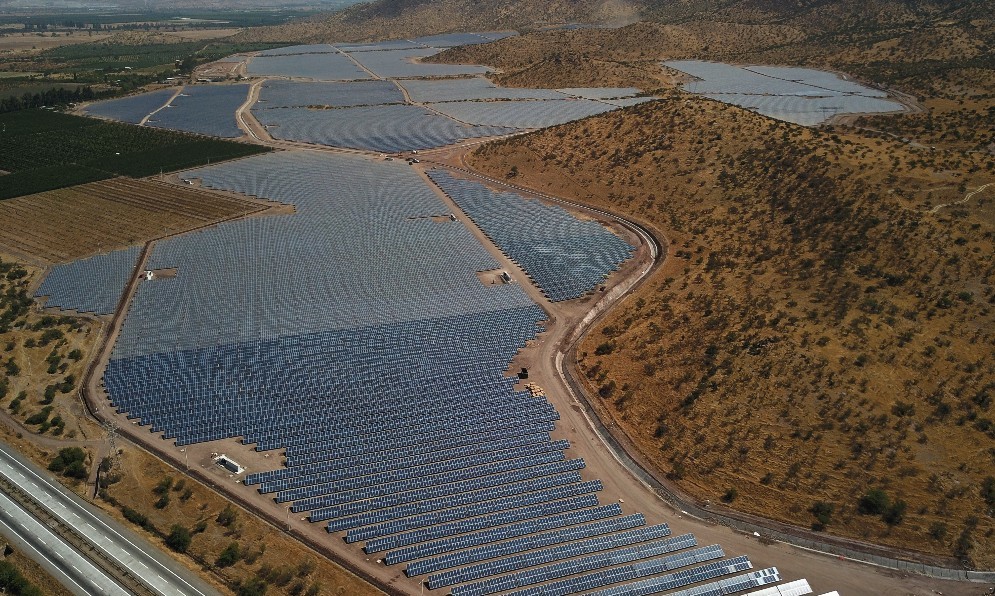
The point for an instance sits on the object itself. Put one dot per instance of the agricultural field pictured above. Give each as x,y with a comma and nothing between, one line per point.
46,150
71,223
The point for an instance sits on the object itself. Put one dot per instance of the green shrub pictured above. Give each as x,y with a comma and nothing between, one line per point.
988,491
68,462
605,348
135,517
823,513
178,538
895,513
229,556
12,582
874,502
227,516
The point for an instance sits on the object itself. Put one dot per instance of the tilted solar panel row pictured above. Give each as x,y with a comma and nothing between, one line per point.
473,510
591,562
433,527
394,459
554,553
323,493
718,588
481,506
416,444
585,583
450,495
518,545
522,528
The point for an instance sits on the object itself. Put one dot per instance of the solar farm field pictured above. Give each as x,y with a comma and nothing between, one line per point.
71,223
353,351
798,95
46,150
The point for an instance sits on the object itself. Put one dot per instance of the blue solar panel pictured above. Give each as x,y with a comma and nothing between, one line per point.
92,285
565,256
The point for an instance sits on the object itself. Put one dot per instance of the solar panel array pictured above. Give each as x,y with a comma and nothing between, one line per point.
798,587
522,114
383,379
204,109
131,109
721,587
385,129
600,93
467,89
401,64
319,67
287,94
318,48
806,111
451,40
92,285
817,78
397,44
583,581
565,256
798,95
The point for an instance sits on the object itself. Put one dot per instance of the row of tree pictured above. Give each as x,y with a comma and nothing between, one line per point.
60,96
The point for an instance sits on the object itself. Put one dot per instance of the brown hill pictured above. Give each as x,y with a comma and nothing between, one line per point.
817,333
394,19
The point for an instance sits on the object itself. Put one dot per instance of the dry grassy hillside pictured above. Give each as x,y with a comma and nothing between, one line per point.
608,57
817,333
393,19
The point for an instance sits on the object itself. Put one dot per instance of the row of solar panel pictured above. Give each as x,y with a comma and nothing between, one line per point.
670,581
564,256
510,547
591,562
396,458
368,475
721,587
93,285
556,553
441,528
446,495
477,504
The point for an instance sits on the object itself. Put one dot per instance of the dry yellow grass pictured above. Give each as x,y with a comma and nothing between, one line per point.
34,573
816,331
43,357
287,566
70,223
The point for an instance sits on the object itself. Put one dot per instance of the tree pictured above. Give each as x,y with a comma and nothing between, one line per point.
895,513
229,556
823,513
988,491
178,538
874,502
227,516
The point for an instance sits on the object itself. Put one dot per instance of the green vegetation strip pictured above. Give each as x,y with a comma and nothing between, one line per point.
46,150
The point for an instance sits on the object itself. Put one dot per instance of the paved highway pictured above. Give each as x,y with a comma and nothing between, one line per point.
120,546
37,541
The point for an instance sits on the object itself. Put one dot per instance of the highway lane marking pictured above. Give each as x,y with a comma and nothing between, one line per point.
42,556
60,496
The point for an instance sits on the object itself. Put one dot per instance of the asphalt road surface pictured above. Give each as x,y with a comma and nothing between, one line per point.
121,546
37,541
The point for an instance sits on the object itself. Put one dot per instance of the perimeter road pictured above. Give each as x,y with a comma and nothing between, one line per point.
124,549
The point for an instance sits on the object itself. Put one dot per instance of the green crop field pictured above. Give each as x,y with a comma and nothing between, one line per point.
45,150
